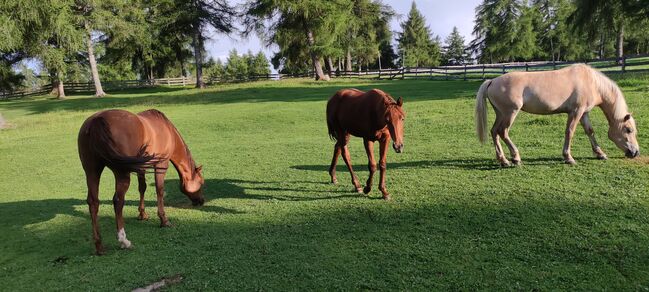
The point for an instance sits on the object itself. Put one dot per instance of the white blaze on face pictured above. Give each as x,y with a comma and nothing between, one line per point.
121,237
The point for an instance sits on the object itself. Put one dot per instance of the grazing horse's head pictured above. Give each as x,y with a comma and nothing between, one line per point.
192,186
623,133
394,118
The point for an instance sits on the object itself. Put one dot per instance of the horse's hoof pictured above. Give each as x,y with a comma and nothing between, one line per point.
387,197
165,224
516,162
359,190
367,190
505,164
100,252
143,216
570,162
334,181
602,157
126,244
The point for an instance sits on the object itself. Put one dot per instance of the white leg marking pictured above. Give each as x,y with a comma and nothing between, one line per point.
121,237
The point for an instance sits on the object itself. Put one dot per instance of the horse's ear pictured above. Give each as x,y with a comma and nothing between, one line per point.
627,117
400,101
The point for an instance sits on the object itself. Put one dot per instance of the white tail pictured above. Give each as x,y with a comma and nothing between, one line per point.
481,111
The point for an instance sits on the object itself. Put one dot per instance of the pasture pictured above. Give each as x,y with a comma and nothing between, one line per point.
272,221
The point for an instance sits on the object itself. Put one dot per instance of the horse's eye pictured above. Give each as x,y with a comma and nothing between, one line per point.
628,130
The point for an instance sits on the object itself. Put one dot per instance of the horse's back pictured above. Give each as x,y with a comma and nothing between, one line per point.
543,92
353,111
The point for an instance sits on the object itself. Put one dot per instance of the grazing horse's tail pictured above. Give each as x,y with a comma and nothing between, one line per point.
481,111
331,127
101,141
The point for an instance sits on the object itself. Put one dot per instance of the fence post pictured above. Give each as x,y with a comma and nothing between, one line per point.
504,70
446,73
483,71
464,72
403,73
623,64
527,67
554,65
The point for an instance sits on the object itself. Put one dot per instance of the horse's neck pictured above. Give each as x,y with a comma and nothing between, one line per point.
613,106
180,156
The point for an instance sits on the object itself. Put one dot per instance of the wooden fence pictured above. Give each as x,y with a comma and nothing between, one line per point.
631,64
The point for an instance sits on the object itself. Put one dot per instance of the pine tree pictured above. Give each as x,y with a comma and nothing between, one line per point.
454,51
298,27
416,46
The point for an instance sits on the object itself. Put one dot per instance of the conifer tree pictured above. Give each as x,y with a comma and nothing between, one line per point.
454,50
416,44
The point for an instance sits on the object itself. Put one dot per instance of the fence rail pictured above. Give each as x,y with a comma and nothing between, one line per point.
628,64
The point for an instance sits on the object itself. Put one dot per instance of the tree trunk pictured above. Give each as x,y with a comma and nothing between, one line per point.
380,62
99,91
198,56
319,74
330,66
619,50
348,61
57,88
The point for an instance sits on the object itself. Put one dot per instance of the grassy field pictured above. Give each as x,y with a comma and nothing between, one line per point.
272,221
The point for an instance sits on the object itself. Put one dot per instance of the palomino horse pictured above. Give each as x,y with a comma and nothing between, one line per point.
574,90
125,143
373,116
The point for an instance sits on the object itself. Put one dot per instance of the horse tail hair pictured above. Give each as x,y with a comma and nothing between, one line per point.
102,143
331,125
481,111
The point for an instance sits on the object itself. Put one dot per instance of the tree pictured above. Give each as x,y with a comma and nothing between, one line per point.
297,27
454,51
259,66
416,45
504,31
595,17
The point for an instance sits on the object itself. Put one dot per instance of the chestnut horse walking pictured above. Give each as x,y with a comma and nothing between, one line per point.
373,116
574,90
125,143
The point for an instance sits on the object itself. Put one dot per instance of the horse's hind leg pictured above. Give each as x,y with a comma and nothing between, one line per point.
348,161
122,182
495,132
588,128
507,122
334,161
371,164
141,180
92,180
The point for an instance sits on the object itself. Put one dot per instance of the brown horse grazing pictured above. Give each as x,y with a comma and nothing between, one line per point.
372,115
125,143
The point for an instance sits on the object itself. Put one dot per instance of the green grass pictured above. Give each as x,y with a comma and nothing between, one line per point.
272,222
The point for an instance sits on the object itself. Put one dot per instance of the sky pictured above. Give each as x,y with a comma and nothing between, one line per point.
441,16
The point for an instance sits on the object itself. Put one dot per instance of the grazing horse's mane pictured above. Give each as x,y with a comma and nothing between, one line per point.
610,92
163,117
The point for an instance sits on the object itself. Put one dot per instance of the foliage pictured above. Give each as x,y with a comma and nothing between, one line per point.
454,49
416,43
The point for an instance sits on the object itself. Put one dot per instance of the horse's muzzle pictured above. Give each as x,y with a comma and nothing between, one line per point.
198,202
397,148
632,153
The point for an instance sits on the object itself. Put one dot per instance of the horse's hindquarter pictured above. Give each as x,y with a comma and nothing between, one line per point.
546,92
355,115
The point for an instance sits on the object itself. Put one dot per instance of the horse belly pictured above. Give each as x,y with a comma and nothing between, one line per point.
544,103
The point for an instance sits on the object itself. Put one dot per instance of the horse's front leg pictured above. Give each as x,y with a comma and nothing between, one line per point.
122,182
142,188
588,128
160,172
371,164
573,119
383,151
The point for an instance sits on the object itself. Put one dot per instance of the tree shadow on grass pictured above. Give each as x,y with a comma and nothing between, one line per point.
411,90
528,244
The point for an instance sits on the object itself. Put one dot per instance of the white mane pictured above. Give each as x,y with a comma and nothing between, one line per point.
611,93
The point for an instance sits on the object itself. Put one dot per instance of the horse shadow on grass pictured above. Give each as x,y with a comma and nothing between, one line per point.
297,191
467,164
